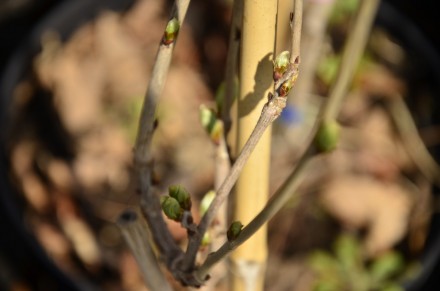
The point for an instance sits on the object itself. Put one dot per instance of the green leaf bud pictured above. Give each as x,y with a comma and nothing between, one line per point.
206,240
234,230
280,65
207,117
216,131
171,31
211,123
327,137
206,201
171,208
181,195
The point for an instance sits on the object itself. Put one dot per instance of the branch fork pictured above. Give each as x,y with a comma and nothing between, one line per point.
182,264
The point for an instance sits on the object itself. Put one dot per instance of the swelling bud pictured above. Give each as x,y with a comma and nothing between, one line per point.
181,195
280,65
171,31
234,230
327,137
171,208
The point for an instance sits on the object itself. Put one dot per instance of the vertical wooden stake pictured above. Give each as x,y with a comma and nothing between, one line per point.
258,39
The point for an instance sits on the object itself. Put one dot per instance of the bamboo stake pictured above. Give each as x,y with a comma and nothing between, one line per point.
271,111
259,18
367,11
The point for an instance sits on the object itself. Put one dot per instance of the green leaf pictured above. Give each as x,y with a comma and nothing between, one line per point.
343,9
386,266
392,287
348,251
323,263
327,285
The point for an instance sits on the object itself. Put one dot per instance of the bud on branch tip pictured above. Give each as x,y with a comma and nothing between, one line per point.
285,73
171,31
280,65
171,208
181,195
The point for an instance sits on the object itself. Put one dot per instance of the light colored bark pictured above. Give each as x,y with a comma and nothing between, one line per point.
249,261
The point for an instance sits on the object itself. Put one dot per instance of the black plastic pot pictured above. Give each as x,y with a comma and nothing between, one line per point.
422,43
25,258
64,19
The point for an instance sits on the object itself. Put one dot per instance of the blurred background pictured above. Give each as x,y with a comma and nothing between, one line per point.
73,77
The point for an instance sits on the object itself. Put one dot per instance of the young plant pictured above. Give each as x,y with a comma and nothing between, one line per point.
347,269
284,72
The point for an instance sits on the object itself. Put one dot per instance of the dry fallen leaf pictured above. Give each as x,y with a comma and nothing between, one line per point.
361,201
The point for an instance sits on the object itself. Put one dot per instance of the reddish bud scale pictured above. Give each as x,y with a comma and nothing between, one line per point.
283,91
167,40
277,75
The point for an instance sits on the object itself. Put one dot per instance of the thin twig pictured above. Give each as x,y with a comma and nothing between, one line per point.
267,117
296,31
271,110
313,35
135,234
277,201
222,159
293,181
412,142
218,230
351,55
143,159
232,64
